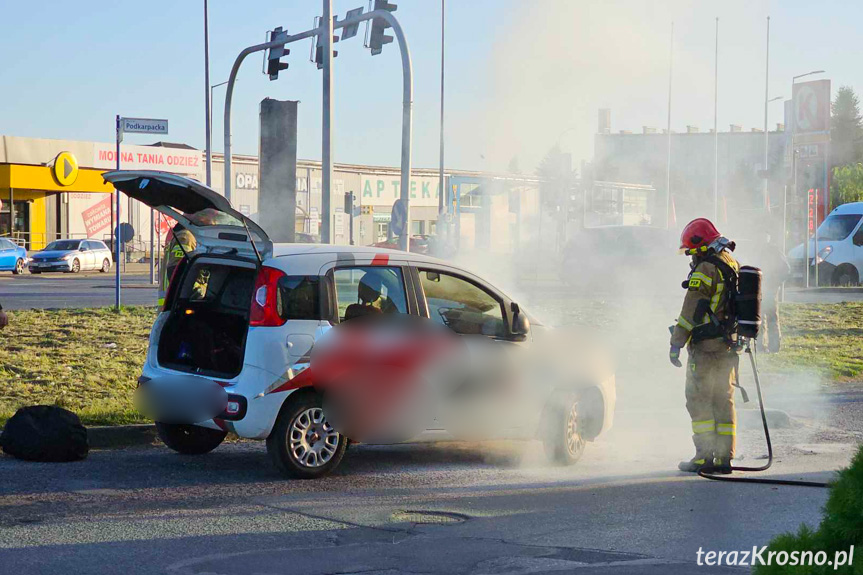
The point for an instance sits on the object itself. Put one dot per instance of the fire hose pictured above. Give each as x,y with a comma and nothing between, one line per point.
707,475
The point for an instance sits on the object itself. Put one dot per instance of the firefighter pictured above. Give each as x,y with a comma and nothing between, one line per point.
705,327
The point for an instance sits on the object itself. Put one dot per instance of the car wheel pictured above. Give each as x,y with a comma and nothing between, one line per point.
106,265
845,275
189,439
563,438
19,267
303,444
76,266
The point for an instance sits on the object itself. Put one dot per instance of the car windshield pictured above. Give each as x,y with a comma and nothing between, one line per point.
838,227
63,245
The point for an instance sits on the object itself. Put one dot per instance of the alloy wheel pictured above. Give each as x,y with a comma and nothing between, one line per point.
574,440
311,438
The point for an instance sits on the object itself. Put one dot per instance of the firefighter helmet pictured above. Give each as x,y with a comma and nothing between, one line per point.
697,236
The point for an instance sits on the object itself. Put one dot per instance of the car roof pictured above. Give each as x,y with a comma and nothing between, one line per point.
855,208
280,250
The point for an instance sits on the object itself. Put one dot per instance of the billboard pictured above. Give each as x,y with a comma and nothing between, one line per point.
97,217
811,107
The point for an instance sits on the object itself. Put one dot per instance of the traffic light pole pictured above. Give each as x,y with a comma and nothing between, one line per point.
326,124
407,98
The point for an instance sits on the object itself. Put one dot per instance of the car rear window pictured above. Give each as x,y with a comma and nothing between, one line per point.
299,297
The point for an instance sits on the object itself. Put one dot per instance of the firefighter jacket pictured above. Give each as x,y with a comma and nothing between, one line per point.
706,288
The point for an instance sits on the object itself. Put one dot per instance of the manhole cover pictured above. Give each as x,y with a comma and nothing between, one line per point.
428,517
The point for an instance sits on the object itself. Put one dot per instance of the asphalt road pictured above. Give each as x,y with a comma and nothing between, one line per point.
86,289
472,509
479,508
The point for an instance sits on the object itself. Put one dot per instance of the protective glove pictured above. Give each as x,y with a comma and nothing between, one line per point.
674,356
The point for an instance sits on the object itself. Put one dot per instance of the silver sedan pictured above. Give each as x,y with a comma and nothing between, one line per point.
72,256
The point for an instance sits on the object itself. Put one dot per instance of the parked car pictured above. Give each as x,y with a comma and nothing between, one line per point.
241,317
840,248
418,244
13,258
72,256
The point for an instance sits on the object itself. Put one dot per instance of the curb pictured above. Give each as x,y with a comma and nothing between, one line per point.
120,436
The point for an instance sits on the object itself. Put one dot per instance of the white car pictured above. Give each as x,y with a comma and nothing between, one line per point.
839,247
72,256
242,314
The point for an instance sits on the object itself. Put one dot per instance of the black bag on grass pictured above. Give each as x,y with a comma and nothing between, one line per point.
45,433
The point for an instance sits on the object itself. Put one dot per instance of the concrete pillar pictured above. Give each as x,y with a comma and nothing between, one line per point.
277,178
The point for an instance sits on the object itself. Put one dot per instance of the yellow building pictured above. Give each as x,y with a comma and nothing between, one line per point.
53,189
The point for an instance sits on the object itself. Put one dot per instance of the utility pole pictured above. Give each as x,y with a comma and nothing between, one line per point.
326,134
716,128
668,129
441,190
766,200
207,97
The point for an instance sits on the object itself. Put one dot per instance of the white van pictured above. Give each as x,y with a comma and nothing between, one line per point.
233,341
840,248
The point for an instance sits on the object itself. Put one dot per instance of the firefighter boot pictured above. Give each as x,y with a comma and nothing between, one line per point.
721,466
695,465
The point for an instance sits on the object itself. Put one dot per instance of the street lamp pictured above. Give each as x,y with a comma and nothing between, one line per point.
766,198
794,79
794,151
210,130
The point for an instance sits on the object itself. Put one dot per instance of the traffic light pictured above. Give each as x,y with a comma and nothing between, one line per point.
319,48
377,39
349,202
274,63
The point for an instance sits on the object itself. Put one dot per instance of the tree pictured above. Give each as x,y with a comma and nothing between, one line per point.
846,128
555,171
847,184
513,168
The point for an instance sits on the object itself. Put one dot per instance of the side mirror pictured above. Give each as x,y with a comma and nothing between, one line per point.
520,323
82,249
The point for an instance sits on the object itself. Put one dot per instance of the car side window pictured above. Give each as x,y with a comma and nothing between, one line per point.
369,290
299,297
858,237
84,246
462,305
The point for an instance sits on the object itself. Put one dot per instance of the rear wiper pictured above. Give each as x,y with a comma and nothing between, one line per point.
254,247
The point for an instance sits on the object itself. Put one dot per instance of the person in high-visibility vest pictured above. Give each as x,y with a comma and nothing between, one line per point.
703,327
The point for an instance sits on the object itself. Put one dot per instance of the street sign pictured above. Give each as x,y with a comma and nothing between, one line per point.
127,232
811,107
143,126
398,219
65,169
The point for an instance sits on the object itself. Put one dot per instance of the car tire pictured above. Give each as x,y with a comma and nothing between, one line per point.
106,265
19,267
563,438
845,275
189,439
303,445
76,266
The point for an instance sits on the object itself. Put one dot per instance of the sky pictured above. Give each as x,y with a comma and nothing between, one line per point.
521,75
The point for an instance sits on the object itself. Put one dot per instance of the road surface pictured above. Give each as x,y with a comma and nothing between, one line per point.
59,290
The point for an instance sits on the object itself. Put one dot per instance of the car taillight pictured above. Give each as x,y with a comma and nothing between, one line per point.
265,300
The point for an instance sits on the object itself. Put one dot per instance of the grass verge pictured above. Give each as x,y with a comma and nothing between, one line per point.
86,360
825,338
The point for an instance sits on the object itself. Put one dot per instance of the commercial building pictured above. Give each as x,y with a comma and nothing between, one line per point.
53,189
643,159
